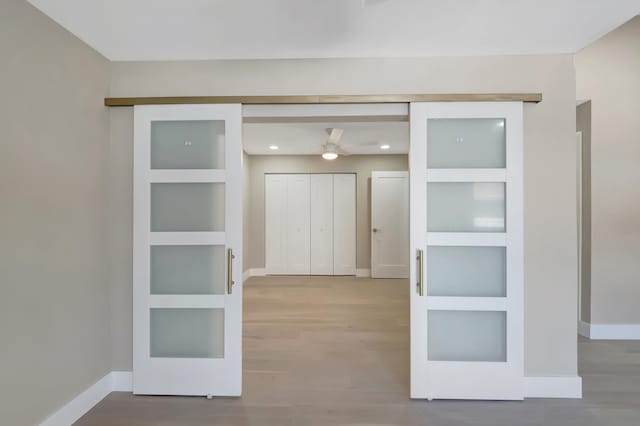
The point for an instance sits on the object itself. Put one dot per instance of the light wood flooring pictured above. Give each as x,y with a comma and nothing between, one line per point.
335,351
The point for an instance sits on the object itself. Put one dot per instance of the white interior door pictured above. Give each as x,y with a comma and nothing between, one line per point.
275,193
187,303
298,225
344,224
466,230
321,224
390,224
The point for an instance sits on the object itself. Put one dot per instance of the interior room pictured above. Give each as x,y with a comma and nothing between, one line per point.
319,213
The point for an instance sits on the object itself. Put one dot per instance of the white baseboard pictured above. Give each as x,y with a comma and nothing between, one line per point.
584,329
363,273
79,405
121,381
609,331
258,272
253,272
553,387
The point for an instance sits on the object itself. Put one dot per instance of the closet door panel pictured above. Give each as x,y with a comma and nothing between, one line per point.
298,225
321,224
275,192
344,224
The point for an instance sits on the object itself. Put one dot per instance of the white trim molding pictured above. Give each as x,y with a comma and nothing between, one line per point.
363,273
553,387
262,272
609,331
253,272
116,381
122,381
584,329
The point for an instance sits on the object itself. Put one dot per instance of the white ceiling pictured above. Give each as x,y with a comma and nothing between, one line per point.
308,138
241,29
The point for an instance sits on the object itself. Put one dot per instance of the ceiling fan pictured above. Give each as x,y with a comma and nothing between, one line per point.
331,148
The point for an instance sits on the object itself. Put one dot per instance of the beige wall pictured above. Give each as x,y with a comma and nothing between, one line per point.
608,73
54,306
583,125
550,152
120,237
362,165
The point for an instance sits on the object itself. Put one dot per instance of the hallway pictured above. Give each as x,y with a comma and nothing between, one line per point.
335,351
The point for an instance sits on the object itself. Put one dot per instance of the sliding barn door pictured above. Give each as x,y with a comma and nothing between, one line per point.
466,220
187,284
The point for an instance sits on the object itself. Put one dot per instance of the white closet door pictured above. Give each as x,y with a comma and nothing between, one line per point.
298,225
275,191
321,224
344,224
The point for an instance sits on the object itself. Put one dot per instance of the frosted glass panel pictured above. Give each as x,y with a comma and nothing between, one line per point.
187,333
187,144
467,336
466,143
466,271
185,207
465,207
188,270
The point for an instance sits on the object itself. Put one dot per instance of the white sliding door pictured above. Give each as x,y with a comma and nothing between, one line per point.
321,224
344,224
187,304
298,225
466,230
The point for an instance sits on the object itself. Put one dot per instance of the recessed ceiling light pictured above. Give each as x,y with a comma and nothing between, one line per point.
385,146
273,147
329,155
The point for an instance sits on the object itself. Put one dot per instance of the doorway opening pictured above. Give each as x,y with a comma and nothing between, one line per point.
316,324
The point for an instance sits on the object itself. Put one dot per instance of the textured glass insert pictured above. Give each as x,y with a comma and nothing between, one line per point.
186,207
467,336
466,271
187,333
187,144
466,143
188,270
466,207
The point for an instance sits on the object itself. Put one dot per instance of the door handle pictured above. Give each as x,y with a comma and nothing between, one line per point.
420,283
375,230
230,282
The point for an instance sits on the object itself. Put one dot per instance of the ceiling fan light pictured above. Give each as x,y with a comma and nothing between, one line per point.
329,155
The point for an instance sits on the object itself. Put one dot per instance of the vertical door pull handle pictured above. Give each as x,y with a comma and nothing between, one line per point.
230,282
420,259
